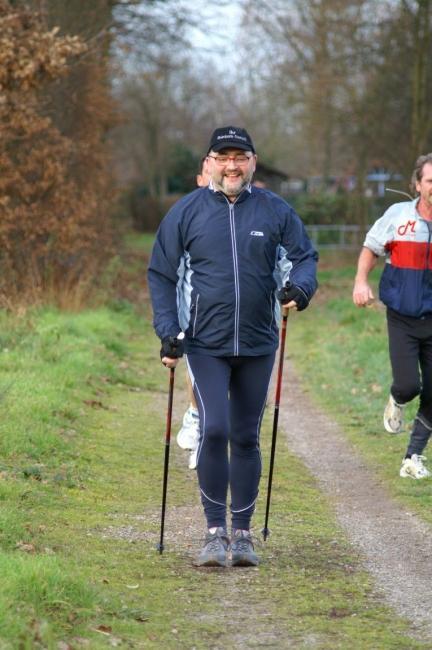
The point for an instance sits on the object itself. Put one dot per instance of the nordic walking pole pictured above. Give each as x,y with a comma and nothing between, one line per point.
285,311
160,546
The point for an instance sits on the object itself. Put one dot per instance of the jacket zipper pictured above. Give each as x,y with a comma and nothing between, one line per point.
428,248
236,279
427,267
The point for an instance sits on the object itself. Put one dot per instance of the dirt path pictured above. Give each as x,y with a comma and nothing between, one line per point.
396,545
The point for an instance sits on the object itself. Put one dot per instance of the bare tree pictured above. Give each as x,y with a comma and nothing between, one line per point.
420,13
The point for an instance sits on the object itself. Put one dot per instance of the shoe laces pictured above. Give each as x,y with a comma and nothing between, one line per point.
214,544
420,469
242,542
418,460
213,541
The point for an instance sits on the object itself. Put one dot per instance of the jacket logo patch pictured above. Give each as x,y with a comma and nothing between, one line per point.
409,225
257,233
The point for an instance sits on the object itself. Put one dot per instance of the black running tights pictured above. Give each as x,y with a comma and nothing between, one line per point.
410,346
231,394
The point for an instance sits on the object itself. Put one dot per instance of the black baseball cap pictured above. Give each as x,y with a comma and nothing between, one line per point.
230,136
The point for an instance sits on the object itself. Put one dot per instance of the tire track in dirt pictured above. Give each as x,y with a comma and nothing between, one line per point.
395,544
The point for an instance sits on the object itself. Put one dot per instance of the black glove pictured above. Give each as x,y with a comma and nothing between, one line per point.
291,292
172,347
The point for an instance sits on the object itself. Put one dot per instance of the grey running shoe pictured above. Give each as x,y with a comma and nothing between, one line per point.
242,549
214,551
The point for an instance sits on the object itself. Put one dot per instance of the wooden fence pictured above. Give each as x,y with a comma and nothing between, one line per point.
342,236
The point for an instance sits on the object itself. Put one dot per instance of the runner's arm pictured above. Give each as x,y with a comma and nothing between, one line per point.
362,293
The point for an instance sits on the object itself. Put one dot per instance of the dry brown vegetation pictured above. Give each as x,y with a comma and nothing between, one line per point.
54,225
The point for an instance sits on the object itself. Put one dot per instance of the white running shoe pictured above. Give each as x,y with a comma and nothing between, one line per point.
188,436
393,416
413,467
193,459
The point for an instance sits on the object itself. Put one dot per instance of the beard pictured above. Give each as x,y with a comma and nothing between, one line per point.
232,186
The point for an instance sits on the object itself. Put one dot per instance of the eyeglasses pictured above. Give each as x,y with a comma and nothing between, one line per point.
223,160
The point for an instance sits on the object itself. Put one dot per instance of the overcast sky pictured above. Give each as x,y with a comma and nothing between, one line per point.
216,43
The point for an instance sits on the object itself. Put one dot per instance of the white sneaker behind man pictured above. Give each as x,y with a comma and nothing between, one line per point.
393,416
413,467
188,436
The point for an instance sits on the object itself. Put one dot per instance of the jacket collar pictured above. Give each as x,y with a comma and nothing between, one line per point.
241,197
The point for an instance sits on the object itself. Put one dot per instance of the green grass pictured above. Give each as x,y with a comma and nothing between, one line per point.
81,461
139,242
52,367
35,591
341,353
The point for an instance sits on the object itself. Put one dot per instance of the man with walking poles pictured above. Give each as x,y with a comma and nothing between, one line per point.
223,257
404,234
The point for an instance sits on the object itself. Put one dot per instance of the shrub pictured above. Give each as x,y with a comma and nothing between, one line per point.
54,229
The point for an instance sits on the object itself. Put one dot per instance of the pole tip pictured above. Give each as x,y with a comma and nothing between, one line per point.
160,548
265,533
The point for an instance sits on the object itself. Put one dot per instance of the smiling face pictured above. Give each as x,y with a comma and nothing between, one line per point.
424,186
234,174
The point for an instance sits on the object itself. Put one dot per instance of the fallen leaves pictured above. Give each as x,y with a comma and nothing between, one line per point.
95,403
103,629
26,547
106,630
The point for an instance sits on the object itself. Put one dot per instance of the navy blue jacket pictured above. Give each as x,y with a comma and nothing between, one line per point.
215,267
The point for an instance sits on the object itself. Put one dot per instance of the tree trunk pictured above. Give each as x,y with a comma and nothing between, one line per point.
420,116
